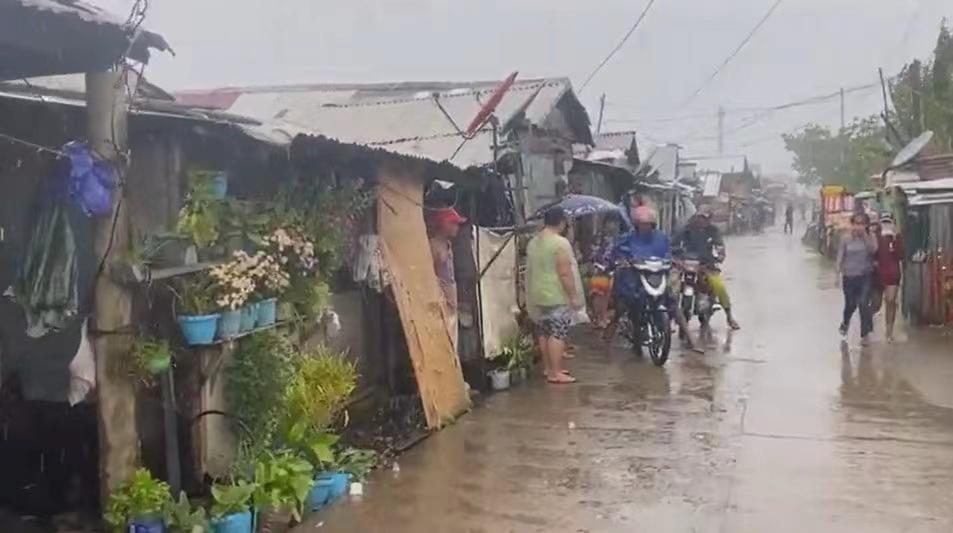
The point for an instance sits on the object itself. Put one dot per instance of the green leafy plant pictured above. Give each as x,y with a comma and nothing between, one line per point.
200,218
256,384
282,481
149,356
142,496
322,383
143,249
358,463
516,352
311,296
231,499
195,295
182,517
316,447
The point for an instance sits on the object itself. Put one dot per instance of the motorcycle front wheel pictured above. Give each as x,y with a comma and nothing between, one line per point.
658,337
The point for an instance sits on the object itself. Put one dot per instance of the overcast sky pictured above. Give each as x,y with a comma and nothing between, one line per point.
808,47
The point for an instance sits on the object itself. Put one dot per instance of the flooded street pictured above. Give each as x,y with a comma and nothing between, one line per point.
777,428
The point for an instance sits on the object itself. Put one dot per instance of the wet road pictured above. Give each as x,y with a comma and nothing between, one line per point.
776,429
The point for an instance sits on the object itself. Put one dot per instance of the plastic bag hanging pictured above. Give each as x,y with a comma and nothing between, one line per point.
86,179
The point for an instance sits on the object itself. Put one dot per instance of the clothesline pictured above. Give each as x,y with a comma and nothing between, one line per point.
17,140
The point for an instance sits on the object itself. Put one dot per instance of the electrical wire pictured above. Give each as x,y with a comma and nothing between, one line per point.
29,144
618,46
735,53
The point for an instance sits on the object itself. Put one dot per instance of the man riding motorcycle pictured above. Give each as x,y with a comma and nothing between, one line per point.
700,238
643,242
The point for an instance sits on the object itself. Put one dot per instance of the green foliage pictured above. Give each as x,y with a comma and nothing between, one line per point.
516,352
922,94
316,393
358,463
848,157
200,218
316,447
256,385
149,356
329,217
231,499
282,480
182,517
141,496
310,296
195,295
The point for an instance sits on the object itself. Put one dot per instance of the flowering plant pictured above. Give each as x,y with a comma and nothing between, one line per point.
293,250
270,277
235,281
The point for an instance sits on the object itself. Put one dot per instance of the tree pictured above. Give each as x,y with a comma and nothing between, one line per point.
848,157
923,95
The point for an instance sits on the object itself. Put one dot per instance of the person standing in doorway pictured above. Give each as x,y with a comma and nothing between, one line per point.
855,263
889,255
553,291
789,218
444,227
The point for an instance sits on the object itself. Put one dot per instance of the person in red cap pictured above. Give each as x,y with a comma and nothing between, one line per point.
444,227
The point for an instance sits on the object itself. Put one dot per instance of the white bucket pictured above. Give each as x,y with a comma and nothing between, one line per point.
500,379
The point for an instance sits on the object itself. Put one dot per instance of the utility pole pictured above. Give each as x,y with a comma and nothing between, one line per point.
602,108
843,119
106,113
721,130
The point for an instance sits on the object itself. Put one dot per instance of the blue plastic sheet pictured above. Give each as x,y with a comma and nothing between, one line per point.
85,178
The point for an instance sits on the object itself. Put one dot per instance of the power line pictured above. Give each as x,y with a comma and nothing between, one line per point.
618,46
810,100
737,51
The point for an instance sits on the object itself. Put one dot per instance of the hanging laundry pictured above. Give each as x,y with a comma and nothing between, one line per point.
47,277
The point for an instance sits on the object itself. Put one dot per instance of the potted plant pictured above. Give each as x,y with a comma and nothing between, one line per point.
149,357
231,507
138,504
200,218
282,483
212,184
271,281
182,517
234,285
318,449
357,463
196,309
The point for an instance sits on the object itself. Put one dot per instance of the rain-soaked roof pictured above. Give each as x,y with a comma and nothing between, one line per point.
414,118
45,37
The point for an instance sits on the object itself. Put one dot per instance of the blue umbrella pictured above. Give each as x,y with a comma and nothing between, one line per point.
580,205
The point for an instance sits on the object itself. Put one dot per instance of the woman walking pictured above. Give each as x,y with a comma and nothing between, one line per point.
855,264
889,255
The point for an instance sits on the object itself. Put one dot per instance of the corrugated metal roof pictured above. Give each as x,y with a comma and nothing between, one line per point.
711,184
40,37
409,118
664,159
616,140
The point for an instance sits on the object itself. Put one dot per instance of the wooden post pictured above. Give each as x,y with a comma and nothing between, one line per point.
106,108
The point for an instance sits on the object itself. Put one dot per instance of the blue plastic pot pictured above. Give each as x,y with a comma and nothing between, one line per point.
219,185
320,495
230,324
338,482
233,523
249,317
198,330
146,525
267,312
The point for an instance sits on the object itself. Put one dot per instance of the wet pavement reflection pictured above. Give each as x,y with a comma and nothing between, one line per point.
779,427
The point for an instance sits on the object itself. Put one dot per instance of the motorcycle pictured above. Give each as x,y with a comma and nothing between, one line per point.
647,320
695,299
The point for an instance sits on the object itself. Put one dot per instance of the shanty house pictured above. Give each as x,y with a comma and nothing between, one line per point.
538,121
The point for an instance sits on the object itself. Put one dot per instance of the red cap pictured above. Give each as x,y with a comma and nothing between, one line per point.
447,215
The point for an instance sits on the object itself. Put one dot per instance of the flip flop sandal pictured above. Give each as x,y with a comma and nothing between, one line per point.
565,379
